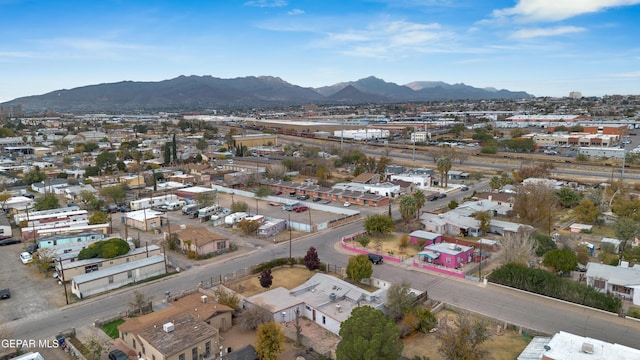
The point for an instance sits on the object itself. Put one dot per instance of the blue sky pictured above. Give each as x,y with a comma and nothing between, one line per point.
544,47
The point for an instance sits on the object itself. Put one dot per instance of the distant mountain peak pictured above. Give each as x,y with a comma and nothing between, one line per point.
193,92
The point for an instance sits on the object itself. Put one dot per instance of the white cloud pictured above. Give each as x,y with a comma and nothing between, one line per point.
266,3
389,39
555,10
630,74
540,32
295,12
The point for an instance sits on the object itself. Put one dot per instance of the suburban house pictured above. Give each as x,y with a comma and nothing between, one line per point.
170,333
49,185
114,277
324,299
426,236
447,254
460,221
200,240
501,199
70,269
367,178
405,187
183,178
145,219
567,346
132,181
622,281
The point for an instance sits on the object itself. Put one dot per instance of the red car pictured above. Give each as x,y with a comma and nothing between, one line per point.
278,192
300,209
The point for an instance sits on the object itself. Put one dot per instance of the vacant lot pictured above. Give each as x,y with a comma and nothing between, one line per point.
388,244
287,277
506,345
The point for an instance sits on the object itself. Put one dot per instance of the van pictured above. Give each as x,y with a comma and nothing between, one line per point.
187,209
176,205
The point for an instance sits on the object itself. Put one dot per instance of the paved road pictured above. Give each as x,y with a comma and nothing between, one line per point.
514,307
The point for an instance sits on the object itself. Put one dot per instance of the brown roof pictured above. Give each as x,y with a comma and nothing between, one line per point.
364,178
198,235
502,197
188,304
188,330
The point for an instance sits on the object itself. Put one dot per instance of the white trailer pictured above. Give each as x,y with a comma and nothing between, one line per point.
208,211
155,201
234,218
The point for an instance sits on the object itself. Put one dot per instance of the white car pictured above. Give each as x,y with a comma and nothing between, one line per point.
347,204
25,257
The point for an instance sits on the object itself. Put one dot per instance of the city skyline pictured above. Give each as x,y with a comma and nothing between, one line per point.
543,47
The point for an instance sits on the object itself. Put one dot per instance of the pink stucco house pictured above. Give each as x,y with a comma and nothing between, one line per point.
447,254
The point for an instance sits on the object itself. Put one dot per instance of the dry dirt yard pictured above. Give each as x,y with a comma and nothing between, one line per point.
390,245
506,345
287,277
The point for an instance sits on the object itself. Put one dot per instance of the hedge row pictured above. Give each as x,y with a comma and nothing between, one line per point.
282,262
545,283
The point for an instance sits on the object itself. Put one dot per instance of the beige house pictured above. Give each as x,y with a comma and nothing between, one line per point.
145,219
169,334
195,320
69,270
132,181
200,240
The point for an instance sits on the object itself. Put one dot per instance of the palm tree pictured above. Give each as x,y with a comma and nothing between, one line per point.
444,165
408,207
420,199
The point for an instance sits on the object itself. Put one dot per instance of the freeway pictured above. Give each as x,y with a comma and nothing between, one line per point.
583,172
511,306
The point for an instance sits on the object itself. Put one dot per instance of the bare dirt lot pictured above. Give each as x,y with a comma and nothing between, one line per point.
286,277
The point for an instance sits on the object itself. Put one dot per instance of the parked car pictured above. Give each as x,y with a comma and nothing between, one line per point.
464,188
316,199
3,237
278,192
327,201
432,197
5,294
25,257
375,258
118,355
274,203
303,197
32,248
442,196
9,241
347,204
300,209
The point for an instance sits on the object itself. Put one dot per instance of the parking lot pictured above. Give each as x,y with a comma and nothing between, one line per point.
31,291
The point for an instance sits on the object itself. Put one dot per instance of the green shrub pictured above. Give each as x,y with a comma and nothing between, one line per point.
545,283
105,249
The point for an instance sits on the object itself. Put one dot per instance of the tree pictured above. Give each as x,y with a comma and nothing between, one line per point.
239,206
106,160
420,199
408,207
534,204
139,302
626,229
115,194
518,247
359,267
544,244
248,226
95,346
34,176
263,191
270,342
266,279
174,149
311,259
587,212
91,170
399,300
367,334
167,153
201,144
46,202
485,220
99,217
251,318
205,199
90,200
495,183
560,260
105,249
444,165
539,170
567,197
379,223
364,240
462,340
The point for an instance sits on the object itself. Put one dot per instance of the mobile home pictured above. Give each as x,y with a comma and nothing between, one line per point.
147,203
235,217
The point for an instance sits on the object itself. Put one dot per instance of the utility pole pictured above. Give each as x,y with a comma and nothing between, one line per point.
64,283
290,257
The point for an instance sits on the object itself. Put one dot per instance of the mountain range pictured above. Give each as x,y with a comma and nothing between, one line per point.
207,92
